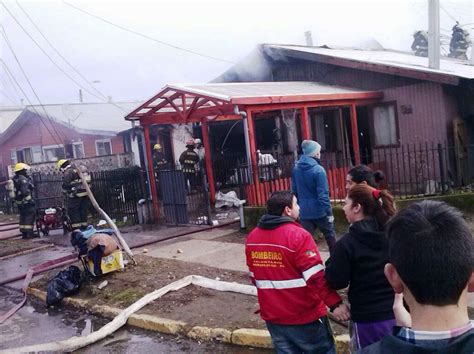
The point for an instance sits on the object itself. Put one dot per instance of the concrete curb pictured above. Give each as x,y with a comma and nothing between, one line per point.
258,338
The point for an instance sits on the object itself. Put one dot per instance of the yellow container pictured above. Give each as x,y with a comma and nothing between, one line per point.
110,263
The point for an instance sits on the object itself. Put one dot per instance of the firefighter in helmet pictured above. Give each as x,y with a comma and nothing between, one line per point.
188,160
159,160
20,189
77,200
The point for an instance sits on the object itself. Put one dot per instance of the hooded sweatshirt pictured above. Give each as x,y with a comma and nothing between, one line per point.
286,267
358,261
310,185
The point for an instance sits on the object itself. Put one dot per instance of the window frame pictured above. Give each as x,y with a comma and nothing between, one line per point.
48,147
372,124
103,141
74,151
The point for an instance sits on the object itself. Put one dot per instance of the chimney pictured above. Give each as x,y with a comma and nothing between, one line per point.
80,96
309,38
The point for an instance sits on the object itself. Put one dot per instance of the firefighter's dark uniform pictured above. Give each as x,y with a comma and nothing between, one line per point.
25,203
77,198
188,160
159,161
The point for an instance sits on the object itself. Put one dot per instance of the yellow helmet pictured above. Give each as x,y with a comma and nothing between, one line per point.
21,166
157,146
60,163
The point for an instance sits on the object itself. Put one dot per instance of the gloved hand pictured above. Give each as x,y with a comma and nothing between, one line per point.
331,219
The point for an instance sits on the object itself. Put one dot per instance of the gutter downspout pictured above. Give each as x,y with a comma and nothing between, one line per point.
246,136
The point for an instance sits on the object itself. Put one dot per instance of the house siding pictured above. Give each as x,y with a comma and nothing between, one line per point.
35,133
432,109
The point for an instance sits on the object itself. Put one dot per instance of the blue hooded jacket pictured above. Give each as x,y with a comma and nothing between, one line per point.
310,185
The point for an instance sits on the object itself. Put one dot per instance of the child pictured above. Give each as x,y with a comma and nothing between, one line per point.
431,263
358,262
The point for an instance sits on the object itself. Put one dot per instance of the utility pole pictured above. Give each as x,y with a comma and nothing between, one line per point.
433,34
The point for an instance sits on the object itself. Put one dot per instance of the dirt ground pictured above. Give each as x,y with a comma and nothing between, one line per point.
6,218
9,247
193,305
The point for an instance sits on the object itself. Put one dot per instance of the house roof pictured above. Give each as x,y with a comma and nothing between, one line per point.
224,95
7,116
87,118
387,61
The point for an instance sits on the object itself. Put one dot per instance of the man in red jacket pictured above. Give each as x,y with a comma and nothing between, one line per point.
286,267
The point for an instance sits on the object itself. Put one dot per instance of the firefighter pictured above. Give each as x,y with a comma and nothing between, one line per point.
21,190
420,43
76,195
188,160
159,160
459,43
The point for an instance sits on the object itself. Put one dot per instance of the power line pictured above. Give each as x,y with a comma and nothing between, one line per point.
148,37
17,93
447,13
31,86
48,56
57,66
58,53
28,100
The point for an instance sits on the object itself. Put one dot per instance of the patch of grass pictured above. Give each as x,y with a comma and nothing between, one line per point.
127,296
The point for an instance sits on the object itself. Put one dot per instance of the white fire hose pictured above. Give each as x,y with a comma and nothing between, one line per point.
75,343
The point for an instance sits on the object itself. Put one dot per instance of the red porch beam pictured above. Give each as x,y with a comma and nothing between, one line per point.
151,172
208,159
355,134
307,98
305,130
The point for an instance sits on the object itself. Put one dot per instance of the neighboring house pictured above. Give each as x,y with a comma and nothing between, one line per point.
36,134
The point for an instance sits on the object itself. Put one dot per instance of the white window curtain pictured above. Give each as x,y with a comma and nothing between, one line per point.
385,125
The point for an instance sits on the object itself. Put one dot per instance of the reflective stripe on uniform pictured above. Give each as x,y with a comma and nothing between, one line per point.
81,194
280,284
308,273
76,225
26,226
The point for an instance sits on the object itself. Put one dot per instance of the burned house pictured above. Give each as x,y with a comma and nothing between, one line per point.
381,108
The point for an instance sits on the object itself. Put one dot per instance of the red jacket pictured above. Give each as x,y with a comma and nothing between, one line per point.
286,267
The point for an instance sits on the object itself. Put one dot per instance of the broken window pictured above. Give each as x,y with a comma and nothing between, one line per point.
385,125
53,152
103,147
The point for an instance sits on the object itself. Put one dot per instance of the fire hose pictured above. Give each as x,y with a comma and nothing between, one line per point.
75,343
43,267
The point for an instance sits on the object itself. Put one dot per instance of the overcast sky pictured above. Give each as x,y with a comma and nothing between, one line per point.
128,67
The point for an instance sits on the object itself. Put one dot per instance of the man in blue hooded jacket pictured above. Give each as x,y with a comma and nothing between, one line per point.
310,185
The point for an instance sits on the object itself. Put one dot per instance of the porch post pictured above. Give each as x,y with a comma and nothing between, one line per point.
208,158
355,134
305,131
253,149
151,173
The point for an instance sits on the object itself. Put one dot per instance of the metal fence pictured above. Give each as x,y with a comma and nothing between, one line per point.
184,197
411,170
116,191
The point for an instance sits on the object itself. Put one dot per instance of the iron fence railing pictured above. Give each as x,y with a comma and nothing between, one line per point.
411,170
117,192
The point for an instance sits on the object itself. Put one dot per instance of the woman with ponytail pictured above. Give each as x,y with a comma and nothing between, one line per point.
358,261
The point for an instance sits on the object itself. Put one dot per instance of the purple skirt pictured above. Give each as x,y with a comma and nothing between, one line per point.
364,334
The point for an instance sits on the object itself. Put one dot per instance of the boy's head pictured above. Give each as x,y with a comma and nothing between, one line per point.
283,203
430,253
